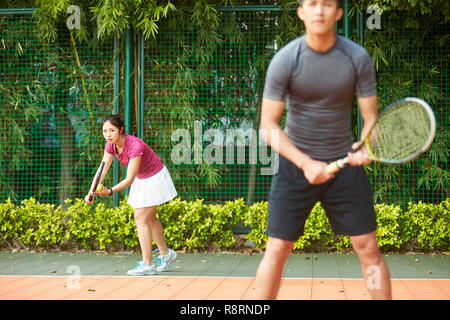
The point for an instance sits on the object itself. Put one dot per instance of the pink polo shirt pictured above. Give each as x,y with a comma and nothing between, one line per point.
134,147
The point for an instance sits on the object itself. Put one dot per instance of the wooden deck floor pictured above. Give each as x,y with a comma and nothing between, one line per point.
101,276
205,288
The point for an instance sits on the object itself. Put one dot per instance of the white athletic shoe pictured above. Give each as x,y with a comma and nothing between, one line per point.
142,269
164,261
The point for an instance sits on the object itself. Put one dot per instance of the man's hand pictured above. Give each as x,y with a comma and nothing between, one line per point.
359,157
315,172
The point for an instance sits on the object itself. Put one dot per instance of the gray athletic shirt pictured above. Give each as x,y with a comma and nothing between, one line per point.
318,89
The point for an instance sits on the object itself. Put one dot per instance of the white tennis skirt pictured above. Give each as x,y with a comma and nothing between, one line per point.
152,191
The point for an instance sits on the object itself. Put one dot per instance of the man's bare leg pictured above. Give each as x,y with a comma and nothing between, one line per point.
270,270
373,266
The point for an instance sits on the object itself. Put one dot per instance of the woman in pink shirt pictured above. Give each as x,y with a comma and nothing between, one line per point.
151,185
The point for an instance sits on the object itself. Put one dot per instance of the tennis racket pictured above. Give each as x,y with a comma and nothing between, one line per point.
403,131
97,180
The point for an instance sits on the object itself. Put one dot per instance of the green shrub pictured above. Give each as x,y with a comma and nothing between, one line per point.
124,233
222,219
423,227
426,225
183,223
79,223
196,225
10,224
32,223
317,230
256,219
389,232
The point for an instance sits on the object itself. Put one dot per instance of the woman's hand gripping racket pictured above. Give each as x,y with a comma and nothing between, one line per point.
403,131
97,180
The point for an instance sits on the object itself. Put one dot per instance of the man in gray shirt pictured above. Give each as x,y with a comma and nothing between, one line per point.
316,76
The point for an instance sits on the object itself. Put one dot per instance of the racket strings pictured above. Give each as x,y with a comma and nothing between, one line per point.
400,132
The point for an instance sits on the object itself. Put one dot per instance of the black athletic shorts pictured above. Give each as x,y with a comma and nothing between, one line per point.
347,200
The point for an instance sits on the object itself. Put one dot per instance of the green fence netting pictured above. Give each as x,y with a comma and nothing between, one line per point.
204,83
203,94
53,96
202,91
415,63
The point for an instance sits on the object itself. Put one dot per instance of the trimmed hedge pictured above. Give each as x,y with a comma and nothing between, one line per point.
421,227
196,225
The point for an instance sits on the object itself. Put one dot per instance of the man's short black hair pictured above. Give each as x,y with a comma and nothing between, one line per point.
339,3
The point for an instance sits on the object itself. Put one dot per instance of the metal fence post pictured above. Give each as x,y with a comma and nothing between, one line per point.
128,88
128,81
140,85
346,25
116,110
360,33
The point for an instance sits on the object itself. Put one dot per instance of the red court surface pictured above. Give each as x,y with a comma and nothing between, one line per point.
205,288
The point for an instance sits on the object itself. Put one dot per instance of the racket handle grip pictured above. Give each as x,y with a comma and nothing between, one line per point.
336,165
